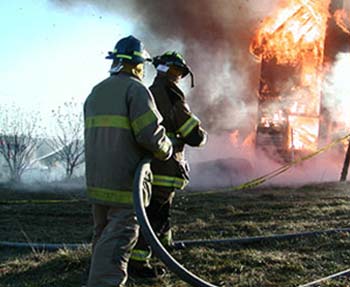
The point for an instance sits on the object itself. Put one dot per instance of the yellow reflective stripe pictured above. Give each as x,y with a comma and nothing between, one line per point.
170,135
178,55
136,53
167,238
140,54
124,56
163,149
109,195
140,255
107,121
169,181
188,126
143,121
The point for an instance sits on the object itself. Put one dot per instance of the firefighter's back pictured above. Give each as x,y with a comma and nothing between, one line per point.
112,153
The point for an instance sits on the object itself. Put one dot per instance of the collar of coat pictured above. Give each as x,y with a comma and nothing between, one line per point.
170,86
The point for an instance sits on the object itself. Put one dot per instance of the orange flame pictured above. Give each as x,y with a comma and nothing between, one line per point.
234,137
249,140
294,36
297,28
342,20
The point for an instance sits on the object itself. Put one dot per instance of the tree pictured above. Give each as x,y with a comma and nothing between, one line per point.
19,139
67,141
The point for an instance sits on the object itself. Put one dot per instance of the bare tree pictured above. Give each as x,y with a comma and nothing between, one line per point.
19,138
67,142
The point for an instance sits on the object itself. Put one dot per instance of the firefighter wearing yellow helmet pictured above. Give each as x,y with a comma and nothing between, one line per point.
184,128
122,124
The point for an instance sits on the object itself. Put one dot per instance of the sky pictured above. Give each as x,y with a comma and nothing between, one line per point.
50,55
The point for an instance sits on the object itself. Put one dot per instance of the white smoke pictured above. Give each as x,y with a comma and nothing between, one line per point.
221,164
337,91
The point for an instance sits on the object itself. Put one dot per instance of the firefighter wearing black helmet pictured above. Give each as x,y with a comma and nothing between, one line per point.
122,124
184,128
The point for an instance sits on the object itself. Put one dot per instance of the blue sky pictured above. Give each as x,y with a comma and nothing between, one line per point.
49,54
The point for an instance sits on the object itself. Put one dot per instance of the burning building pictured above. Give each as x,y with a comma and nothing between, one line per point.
295,47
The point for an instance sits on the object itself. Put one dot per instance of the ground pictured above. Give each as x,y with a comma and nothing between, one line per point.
64,217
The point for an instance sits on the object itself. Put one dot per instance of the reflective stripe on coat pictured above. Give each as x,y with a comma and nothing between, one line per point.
122,124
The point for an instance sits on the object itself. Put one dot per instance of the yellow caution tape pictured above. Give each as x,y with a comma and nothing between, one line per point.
260,180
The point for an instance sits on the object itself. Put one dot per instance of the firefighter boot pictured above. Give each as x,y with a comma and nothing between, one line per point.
144,270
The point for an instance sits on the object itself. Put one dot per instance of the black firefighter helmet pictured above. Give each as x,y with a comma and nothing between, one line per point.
172,58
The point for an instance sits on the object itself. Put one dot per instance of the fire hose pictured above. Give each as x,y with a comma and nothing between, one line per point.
162,253
182,244
150,236
172,264
257,239
330,277
147,231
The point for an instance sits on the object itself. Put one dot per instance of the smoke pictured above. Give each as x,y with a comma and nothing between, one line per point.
215,38
224,164
336,90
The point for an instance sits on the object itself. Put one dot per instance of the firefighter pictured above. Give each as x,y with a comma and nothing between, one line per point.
184,128
122,125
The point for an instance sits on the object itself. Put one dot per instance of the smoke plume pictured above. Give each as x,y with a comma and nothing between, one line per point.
336,91
215,37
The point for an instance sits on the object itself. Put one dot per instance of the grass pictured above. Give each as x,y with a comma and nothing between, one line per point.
264,211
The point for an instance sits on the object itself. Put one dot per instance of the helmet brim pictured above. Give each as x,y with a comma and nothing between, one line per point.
146,57
110,56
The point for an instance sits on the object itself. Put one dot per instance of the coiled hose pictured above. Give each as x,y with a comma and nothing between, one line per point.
150,236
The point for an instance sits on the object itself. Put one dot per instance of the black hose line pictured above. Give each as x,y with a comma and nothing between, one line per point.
163,254
181,244
256,239
43,246
150,236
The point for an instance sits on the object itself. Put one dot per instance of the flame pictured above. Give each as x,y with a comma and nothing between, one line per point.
249,140
342,19
296,29
293,37
234,137
303,133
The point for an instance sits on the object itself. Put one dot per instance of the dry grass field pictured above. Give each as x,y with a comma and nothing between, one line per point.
52,216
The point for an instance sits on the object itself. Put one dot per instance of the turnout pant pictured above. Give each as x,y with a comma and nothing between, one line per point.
116,232
158,213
